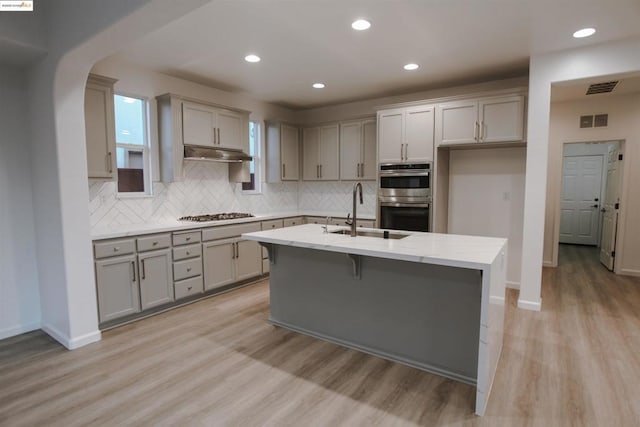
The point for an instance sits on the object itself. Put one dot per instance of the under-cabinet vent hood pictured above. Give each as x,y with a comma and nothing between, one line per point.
199,152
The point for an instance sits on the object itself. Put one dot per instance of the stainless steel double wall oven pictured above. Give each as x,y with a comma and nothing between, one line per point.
404,196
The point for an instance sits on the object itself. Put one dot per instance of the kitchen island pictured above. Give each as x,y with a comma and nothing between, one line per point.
431,301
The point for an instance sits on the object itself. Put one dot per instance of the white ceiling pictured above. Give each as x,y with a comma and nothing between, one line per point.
306,41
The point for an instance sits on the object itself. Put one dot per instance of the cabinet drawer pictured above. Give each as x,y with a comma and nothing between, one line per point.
366,223
148,243
185,252
187,268
188,287
186,238
290,222
269,225
114,247
215,233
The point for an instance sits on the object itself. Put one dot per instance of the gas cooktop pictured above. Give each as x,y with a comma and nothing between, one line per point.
216,217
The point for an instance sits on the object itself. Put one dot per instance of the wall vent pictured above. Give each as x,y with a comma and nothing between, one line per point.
604,87
594,121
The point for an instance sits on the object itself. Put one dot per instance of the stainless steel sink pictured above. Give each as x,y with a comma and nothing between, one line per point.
369,233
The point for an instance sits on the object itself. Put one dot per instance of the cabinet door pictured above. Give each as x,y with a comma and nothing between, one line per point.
419,133
248,259
230,126
100,131
156,278
390,135
457,122
351,150
502,119
310,154
329,153
117,286
369,165
289,153
198,125
219,268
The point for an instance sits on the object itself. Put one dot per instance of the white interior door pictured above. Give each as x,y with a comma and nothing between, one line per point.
610,211
580,207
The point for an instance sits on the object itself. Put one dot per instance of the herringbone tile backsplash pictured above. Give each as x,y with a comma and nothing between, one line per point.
206,189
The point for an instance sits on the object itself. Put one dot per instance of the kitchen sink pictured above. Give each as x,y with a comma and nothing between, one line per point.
369,233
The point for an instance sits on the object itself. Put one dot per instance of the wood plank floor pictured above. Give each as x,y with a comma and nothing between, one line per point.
219,362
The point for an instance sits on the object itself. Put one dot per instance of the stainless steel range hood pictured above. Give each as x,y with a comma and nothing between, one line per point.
199,152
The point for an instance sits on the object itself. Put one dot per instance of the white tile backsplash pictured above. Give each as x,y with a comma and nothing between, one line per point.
206,189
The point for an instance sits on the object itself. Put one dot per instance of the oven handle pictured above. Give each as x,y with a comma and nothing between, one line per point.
405,205
403,173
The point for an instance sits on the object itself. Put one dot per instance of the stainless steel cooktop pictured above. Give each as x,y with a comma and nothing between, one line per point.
216,216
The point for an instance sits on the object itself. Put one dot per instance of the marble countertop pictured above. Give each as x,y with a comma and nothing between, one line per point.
175,225
430,248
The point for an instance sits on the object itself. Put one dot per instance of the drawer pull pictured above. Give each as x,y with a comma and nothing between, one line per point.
187,239
116,249
189,288
154,243
188,253
188,268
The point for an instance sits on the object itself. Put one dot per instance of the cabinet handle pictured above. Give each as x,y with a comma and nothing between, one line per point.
188,269
143,272
188,253
187,238
358,169
237,251
320,171
110,162
218,136
154,243
189,288
133,270
116,249
401,152
475,130
284,171
482,130
233,251
406,151
215,138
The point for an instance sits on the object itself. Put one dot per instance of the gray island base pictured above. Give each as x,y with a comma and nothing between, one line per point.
445,319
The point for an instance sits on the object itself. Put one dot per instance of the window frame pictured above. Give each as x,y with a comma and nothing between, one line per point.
146,149
257,158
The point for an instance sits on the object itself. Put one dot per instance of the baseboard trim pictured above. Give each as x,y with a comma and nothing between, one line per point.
72,343
19,329
513,285
548,264
629,272
530,305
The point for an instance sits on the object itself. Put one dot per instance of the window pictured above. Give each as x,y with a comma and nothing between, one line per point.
254,185
132,146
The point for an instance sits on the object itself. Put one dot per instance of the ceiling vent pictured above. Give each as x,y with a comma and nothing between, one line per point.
604,87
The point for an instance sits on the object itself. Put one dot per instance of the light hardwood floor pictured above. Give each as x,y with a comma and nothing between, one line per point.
219,362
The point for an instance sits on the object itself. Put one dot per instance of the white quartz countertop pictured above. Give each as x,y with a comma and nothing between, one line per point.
175,225
430,248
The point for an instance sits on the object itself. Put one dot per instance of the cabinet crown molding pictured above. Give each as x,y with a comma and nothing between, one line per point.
170,95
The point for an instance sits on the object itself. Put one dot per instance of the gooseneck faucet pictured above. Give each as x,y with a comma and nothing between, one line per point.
356,187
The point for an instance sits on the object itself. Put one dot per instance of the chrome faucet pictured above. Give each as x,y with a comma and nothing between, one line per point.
326,225
352,222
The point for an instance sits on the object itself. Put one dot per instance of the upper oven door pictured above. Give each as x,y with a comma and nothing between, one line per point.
405,184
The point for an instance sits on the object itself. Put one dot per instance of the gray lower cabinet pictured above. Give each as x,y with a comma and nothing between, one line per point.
219,265
156,284
117,287
248,259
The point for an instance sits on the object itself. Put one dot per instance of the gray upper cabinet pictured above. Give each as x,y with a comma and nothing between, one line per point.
320,153
99,120
406,134
156,284
480,120
283,152
358,150
117,287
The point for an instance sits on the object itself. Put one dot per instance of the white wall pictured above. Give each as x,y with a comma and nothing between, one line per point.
19,295
486,198
545,69
59,173
624,124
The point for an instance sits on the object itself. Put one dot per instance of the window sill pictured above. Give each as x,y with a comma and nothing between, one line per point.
251,192
133,196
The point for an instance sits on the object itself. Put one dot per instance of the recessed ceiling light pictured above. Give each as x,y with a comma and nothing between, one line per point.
585,32
411,67
318,85
252,58
360,24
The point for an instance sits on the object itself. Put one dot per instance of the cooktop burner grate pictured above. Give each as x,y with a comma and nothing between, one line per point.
215,217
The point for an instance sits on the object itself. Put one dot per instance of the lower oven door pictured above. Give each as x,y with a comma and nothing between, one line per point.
404,216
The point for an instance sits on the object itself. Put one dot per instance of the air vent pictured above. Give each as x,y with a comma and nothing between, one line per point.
604,87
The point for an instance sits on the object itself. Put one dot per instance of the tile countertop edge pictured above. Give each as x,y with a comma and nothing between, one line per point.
491,249
142,229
